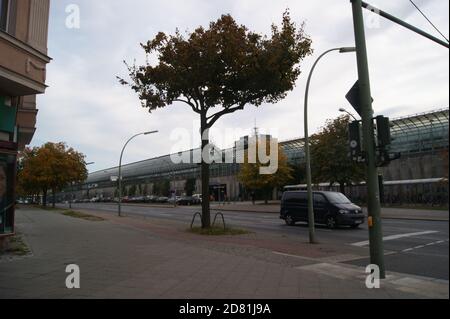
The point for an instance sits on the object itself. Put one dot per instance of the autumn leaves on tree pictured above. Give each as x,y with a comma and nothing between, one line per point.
50,167
330,155
219,71
253,180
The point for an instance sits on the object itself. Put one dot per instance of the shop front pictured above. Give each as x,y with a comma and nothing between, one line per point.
8,154
8,157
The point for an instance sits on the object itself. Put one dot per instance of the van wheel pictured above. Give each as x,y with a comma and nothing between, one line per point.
289,221
331,222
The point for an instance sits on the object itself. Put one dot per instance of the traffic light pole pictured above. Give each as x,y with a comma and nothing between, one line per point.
374,219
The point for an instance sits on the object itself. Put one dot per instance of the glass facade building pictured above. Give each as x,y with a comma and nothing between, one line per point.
415,137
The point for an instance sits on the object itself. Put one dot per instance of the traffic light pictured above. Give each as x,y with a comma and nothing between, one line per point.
384,140
356,149
383,131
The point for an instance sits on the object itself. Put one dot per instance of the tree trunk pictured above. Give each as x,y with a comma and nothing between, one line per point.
206,218
53,198
342,187
44,197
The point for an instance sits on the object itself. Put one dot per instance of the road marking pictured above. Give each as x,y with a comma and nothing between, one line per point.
393,237
426,245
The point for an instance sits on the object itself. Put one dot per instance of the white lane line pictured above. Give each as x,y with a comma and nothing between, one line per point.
393,237
426,245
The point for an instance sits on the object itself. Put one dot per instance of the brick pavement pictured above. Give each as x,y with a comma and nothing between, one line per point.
138,258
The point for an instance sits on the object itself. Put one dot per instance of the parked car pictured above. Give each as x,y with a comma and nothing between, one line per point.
174,199
188,201
137,199
330,208
198,198
162,199
151,199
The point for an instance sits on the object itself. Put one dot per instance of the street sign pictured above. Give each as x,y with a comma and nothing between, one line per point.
353,98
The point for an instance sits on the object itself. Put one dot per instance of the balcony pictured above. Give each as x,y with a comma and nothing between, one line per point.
26,120
23,47
22,68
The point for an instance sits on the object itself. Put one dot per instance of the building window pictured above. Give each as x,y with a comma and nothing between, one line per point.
4,6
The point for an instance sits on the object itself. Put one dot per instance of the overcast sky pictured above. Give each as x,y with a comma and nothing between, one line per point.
87,108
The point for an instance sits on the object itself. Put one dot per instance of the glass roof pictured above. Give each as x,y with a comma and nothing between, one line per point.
433,120
411,133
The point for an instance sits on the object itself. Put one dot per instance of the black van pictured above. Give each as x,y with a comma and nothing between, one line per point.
330,208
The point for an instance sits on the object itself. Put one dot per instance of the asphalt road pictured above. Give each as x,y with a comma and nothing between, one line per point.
412,246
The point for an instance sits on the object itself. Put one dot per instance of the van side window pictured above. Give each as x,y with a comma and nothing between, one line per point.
302,198
319,200
288,197
295,197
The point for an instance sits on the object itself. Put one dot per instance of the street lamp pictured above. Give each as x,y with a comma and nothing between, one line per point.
172,180
120,167
71,187
307,155
342,110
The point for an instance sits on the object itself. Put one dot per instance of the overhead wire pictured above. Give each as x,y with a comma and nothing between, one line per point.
432,24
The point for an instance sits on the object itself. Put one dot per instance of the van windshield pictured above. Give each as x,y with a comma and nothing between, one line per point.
337,198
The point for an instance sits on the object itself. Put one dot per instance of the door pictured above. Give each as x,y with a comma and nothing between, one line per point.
295,205
320,208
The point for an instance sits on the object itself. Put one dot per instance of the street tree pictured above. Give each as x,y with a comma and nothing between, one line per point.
162,187
444,158
190,186
219,71
330,158
145,190
132,190
50,167
250,177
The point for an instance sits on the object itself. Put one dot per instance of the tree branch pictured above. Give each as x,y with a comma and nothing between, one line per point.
193,106
213,118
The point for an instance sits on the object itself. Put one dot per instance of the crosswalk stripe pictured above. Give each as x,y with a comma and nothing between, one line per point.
393,237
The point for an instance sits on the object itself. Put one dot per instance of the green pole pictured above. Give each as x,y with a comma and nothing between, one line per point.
374,219
311,221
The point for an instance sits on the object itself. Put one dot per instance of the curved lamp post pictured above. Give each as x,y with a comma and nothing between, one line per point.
71,188
120,167
172,180
307,154
342,110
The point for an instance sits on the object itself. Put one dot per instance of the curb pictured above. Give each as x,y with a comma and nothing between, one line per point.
271,212
417,218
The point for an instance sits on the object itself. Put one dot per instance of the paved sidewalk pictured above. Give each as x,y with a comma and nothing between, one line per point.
139,258
390,213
